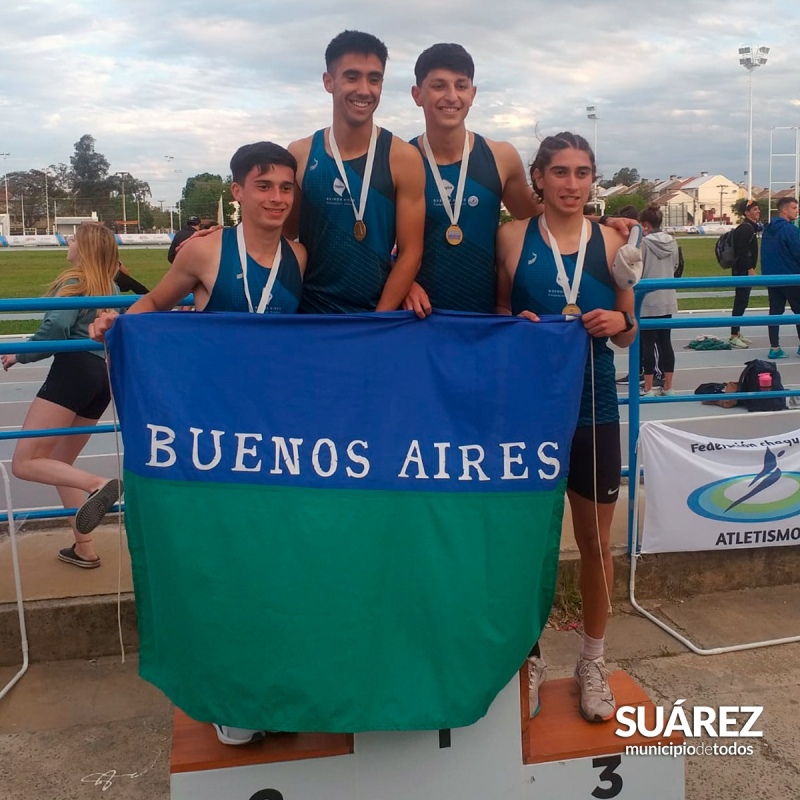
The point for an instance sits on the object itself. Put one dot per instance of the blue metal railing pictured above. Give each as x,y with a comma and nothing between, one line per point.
15,305
634,401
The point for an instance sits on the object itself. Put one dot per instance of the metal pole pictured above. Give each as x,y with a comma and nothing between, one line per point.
750,133
4,156
22,202
46,199
171,226
769,188
797,163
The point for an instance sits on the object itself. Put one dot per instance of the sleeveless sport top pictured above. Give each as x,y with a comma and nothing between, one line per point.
462,277
535,289
344,275
228,292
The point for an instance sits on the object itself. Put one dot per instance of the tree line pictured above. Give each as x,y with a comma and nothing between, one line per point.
86,185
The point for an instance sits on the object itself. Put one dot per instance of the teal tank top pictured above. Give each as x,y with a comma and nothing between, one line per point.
462,277
228,292
344,275
535,289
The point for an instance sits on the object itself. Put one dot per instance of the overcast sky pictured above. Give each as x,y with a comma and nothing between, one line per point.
194,80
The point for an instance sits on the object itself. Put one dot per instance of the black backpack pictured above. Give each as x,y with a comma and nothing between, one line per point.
723,250
748,382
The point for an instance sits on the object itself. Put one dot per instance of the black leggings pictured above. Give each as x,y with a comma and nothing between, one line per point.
661,339
778,297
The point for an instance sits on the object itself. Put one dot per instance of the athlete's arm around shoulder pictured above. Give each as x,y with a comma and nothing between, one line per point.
300,150
508,249
408,175
611,322
518,197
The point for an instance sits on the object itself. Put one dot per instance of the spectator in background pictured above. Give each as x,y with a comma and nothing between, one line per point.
745,248
780,255
660,257
74,395
192,225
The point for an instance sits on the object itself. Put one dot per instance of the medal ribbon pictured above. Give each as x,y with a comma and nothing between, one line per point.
266,292
455,212
337,157
570,292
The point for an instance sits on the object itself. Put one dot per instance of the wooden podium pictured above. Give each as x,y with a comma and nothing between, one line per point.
558,755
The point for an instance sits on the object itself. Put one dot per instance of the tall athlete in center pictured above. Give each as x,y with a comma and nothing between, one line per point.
360,191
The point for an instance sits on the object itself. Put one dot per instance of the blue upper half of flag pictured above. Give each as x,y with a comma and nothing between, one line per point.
454,403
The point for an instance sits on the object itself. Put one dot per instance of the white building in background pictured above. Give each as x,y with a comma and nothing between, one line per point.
713,197
67,226
5,224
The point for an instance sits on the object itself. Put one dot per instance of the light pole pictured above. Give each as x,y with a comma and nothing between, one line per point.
46,198
171,226
721,187
4,156
750,58
124,209
591,113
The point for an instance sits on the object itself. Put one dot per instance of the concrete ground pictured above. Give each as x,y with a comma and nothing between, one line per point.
74,729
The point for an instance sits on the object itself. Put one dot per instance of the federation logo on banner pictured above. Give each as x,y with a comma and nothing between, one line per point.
711,494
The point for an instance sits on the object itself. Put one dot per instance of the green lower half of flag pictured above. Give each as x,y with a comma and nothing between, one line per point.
300,609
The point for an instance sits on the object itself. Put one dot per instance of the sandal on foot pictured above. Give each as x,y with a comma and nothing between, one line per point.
69,555
97,505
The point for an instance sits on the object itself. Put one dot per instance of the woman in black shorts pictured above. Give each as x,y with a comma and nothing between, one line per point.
74,394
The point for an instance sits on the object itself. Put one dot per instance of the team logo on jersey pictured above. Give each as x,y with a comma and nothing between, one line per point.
533,260
338,186
313,166
770,495
448,187
472,201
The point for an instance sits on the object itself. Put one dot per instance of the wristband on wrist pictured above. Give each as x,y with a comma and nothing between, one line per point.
604,219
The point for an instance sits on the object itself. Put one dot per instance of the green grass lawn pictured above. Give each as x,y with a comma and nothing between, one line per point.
27,273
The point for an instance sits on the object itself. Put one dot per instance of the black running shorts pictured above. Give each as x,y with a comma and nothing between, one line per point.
609,462
78,381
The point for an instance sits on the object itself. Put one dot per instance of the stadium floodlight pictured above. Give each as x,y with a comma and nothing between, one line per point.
750,58
591,113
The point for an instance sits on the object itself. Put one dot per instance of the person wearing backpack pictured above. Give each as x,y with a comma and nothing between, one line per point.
745,249
780,255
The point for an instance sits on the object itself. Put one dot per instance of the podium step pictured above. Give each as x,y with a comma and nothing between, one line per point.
559,732
195,747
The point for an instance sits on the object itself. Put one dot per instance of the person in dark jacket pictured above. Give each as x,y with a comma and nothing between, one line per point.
192,225
780,255
745,248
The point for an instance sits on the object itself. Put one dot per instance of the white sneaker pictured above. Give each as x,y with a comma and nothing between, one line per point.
537,670
236,736
745,339
738,343
597,699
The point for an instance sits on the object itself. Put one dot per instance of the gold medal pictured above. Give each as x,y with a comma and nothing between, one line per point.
360,230
454,235
570,308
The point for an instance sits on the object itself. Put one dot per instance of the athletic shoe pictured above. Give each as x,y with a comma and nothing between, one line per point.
776,352
597,699
798,351
537,670
651,393
745,339
97,505
69,556
667,393
738,342
237,736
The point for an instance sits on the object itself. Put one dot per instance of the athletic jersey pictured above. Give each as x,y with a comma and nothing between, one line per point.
536,289
344,275
462,277
228,292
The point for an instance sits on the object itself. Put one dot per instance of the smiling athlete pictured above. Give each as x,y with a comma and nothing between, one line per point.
360,191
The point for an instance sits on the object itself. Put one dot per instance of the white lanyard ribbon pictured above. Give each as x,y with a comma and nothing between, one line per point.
337,157
570,292
266,292
455,212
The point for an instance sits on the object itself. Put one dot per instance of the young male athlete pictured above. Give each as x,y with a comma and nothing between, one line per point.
360,190
214,266
467,177
249,268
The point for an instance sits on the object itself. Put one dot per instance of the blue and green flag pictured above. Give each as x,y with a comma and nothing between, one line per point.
343,523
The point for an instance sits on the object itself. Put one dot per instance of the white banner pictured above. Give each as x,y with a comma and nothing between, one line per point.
719,494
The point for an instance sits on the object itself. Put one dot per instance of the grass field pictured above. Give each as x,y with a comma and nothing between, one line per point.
27,273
